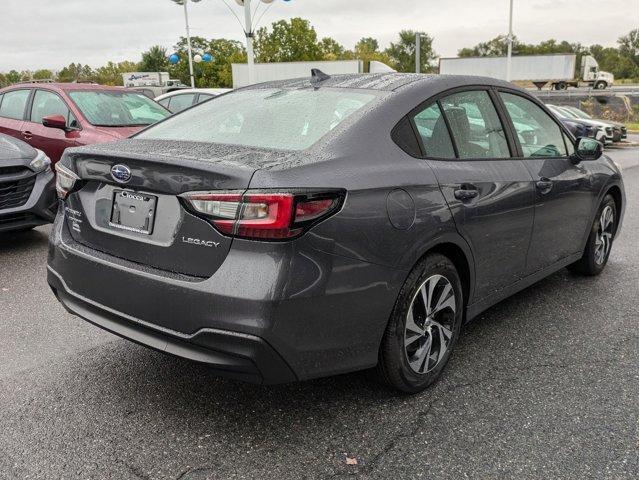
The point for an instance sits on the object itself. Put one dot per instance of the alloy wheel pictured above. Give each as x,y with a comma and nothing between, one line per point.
429,324
603,241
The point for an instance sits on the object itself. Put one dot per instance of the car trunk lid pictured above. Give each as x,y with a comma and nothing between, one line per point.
142,220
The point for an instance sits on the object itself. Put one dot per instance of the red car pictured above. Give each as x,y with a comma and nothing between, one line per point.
54,116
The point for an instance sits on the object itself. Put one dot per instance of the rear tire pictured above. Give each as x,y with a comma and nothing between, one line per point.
600,240
424,326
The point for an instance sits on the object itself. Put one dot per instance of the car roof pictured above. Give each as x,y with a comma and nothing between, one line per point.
61,86
391,81
212,91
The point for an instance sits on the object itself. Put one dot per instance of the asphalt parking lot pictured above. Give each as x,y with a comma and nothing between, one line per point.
543,385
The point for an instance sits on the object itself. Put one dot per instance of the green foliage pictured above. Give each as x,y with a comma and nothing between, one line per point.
155,59
43,74
330,49
291,40
76,72
402,52
208,74
498,46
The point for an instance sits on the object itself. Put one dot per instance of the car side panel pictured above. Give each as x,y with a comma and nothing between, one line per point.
497,224
563,212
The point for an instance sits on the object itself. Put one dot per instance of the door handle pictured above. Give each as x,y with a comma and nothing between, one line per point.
27,135
544,185
466,192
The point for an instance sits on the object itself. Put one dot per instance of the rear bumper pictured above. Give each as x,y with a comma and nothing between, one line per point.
231,354
39,208
271,313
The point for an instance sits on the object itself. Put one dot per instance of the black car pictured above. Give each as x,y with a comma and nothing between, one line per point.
580,127
27,186
310,227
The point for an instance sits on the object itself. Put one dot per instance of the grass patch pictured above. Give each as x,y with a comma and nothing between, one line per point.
633,127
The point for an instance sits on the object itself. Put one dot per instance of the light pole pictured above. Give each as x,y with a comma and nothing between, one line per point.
248,29
188,40
418,52
509,61
249,25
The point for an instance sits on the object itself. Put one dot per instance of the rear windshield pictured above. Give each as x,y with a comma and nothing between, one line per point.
108,108
267,118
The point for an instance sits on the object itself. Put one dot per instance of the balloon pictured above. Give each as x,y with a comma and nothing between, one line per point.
173,59
207,57
197,58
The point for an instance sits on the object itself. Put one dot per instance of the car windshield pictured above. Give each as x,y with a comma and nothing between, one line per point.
266,118
580,113
111,108
568,113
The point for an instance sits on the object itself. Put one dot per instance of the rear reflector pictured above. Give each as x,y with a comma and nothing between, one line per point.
263,215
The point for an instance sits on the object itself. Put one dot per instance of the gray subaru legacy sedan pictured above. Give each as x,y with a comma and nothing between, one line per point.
310,227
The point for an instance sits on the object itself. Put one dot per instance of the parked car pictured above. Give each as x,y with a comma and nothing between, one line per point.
282,232
621,131
607,128
54,116
27,186
582,128
183,99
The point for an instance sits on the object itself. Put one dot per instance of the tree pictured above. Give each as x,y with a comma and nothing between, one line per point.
367,45
76,72
629,46
288,41
43,74
498,46
330,49
12,77
216,73
155,59
402,53
111,73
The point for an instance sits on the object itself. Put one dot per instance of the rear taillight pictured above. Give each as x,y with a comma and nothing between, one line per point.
65,180
263,215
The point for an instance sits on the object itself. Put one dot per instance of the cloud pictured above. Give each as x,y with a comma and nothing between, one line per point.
46,33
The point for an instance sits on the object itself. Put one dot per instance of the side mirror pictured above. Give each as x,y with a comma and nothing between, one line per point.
587,149
55,121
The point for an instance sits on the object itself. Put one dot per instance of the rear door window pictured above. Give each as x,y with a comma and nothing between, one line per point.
431,127
181,102
46,104
538,134
204,97
14,104
475,125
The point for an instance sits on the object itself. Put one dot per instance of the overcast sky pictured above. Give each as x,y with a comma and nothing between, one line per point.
53,33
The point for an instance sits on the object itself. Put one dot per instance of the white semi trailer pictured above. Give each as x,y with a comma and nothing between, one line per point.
558,70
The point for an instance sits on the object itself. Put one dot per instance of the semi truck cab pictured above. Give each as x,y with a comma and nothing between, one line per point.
591,74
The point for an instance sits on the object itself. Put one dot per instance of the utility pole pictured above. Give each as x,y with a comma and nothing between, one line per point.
188,42
418,52
249,42
509,61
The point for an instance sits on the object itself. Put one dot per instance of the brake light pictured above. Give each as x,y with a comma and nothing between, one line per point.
263,215
65,180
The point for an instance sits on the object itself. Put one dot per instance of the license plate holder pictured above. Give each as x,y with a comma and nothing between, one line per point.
133,211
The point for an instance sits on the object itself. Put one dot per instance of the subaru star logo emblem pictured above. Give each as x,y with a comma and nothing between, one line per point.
121,173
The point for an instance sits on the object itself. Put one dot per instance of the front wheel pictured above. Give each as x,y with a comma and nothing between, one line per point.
600,85
600,240
423,327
